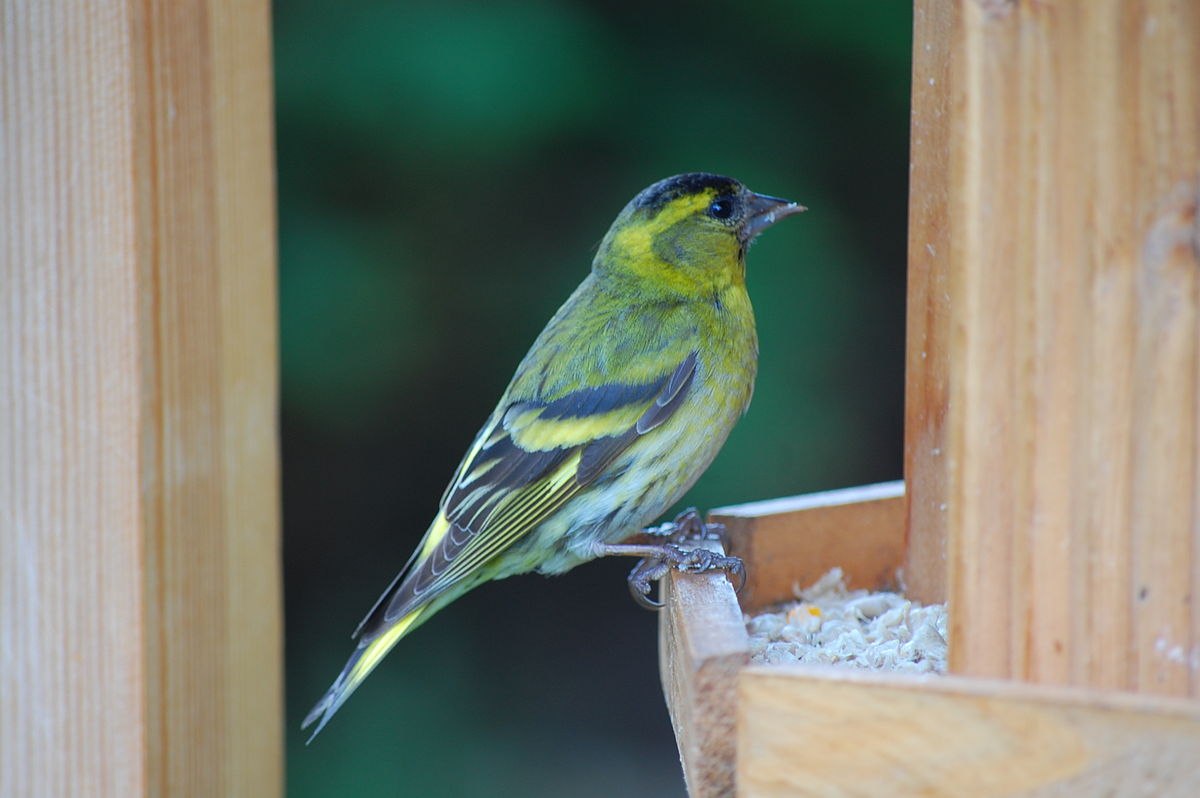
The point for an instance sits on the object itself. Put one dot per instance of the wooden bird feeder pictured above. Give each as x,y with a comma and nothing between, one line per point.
1052,445
1052,433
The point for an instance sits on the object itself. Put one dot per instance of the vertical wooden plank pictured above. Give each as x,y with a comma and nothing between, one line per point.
183,448
1165,45
928,305
146,165
243,162
71,638
1073,277
209,301
1107,414
926,367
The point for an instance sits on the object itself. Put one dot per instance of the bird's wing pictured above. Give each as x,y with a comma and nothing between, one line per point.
532,458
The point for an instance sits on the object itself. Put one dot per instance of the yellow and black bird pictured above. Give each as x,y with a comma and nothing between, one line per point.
619,406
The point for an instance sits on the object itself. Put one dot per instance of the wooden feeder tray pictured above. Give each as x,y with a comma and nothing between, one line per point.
789,730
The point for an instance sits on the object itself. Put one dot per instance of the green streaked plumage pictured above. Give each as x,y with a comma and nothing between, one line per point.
619,406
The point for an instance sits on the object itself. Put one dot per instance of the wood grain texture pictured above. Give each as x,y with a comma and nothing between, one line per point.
805,730
140,610
1068,447
242,96
702,646
808,731
703,643
71,665
789,543
926,367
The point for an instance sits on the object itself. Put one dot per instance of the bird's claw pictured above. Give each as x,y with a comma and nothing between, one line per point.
693,561
688,525
646,571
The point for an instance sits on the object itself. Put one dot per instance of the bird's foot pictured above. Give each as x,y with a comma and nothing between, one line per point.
687,526
657,559
673,557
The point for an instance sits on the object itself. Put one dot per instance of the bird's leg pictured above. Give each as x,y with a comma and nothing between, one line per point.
658,559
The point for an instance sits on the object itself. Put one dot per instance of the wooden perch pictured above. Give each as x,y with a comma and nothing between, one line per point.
702,647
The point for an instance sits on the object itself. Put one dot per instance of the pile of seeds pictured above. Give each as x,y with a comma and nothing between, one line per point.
833,625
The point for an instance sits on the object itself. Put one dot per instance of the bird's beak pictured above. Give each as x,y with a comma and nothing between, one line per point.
763,211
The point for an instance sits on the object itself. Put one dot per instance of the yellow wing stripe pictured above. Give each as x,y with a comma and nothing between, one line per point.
434,536
533,433
477,472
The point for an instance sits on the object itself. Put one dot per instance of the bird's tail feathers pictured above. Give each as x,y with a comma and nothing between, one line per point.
358,667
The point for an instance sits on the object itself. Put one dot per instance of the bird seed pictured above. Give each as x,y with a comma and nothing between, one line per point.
831,625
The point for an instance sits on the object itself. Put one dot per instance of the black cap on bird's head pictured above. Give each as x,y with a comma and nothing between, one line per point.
731,202
658,195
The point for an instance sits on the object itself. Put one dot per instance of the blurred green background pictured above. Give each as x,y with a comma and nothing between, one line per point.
445,172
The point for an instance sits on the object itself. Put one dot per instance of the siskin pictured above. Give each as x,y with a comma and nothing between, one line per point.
619,406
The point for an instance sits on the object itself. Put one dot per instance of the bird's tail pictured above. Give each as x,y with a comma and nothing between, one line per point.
361,663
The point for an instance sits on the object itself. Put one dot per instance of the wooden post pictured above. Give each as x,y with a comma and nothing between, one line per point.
140,639
1053,442
926,368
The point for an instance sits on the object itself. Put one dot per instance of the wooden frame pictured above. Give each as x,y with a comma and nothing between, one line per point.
1052,443
777,731
1052,440
703,641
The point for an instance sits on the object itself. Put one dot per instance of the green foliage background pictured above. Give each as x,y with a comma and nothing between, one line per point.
445,171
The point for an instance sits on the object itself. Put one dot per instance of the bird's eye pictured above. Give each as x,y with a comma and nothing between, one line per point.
721,208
